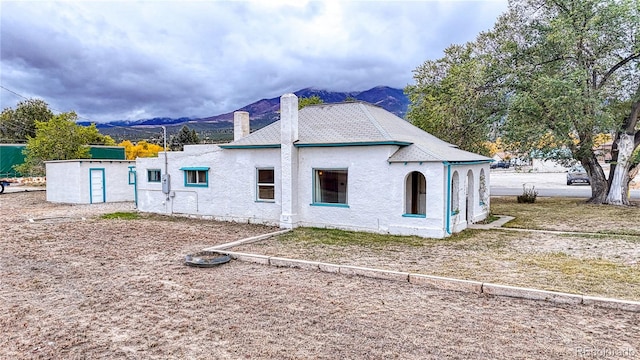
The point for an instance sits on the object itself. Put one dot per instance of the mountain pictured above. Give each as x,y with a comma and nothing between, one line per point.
261,113
391,99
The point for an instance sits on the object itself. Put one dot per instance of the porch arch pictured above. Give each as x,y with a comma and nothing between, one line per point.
470,205
415,194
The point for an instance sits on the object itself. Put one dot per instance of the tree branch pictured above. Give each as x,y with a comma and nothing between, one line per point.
617,66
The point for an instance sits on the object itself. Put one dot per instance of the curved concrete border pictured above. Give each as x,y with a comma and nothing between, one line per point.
437,282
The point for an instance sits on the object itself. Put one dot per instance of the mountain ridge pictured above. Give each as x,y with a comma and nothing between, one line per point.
265,111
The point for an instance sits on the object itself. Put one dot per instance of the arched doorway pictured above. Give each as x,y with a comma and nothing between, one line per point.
470,196
416,194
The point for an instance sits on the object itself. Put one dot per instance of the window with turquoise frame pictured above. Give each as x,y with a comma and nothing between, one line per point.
330,187
196,176
265,184
153,175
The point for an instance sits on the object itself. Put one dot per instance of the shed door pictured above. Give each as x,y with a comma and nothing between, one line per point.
96,185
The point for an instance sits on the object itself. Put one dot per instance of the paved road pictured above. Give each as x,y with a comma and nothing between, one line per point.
509,182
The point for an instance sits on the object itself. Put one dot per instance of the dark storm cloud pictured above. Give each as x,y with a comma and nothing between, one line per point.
131,60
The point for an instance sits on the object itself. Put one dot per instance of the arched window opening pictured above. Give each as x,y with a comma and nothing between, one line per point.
455,189
482,188
416,194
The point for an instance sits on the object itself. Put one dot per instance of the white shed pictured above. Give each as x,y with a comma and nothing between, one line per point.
87,181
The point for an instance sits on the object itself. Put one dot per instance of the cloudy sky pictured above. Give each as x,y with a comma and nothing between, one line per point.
118,60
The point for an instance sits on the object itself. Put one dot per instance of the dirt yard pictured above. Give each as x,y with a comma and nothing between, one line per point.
93,288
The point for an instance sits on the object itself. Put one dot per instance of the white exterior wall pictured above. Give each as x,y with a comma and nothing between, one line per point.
375,190
231,191
64,183
68,181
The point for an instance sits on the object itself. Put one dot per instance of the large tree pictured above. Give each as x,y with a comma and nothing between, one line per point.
451,99
571,60
16,125
60,138
564,69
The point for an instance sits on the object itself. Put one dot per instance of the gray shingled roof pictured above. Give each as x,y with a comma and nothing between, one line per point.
358,123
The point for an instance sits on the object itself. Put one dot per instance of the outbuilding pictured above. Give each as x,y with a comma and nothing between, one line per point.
350,165
89,181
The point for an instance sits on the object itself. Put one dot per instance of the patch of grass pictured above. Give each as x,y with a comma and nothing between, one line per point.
318,236
121,215
585,276
470,239
489,219
569,214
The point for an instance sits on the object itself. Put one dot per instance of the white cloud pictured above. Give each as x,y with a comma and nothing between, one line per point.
125,60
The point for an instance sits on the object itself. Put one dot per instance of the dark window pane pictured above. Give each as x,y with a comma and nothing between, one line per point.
331,186
266,176
266,192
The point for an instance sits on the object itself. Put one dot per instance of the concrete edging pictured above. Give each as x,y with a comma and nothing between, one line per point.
246,241
437,282
531,294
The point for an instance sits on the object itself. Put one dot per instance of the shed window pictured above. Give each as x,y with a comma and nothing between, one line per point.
265,185
330,186
153,175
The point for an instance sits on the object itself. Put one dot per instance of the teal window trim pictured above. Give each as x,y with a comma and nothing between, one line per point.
259,184
204,168
149,171
414,215
132,175
330,205
314,190
133,180
186,171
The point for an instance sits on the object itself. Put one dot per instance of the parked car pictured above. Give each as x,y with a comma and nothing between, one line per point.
577,174
500,165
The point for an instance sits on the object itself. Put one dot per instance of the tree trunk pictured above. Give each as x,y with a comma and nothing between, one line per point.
599,184
625,143
620,175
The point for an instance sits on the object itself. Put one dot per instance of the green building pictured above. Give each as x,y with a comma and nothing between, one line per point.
11,154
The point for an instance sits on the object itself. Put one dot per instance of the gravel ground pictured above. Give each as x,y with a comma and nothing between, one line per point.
73,288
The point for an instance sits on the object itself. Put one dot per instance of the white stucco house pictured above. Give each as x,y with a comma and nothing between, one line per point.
350,166
90,181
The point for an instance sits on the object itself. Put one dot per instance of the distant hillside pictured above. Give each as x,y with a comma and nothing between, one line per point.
261,113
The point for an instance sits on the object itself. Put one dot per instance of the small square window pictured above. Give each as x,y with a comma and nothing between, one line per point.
153,175
330,186
265,185
196,177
